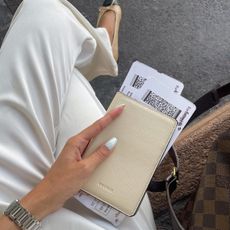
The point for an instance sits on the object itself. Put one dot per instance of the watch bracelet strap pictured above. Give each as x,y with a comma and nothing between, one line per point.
21,217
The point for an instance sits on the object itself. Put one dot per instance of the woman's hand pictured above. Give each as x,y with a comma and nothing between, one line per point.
70,171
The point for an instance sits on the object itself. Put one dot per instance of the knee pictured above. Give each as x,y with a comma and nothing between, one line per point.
43,16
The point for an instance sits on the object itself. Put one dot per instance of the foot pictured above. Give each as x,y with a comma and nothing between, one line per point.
109,18
108,22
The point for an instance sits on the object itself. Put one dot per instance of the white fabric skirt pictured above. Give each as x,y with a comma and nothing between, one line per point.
46,61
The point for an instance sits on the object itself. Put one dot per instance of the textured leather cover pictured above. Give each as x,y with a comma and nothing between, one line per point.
143,135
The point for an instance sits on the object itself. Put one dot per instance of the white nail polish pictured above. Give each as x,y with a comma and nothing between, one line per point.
120,106
110,144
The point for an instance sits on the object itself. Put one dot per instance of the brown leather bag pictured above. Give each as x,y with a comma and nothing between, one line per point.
212,204
203,197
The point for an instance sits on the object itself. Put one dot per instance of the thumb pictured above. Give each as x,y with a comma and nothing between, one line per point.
101,153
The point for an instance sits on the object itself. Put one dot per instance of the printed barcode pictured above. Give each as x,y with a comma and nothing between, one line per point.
161,104
138,81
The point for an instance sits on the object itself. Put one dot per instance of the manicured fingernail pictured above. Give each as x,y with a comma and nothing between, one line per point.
120,107
110,144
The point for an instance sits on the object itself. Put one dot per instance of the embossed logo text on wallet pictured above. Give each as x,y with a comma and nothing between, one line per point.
105,187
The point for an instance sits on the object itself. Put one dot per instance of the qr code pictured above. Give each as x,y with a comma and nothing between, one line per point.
161,104
138,81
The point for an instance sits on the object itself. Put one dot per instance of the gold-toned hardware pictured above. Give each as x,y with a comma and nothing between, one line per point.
174,171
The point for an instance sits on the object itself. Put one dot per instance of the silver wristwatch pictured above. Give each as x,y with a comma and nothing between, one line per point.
21,217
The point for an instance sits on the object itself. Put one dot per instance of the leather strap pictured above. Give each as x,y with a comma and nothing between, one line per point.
210,99
169,185
159,186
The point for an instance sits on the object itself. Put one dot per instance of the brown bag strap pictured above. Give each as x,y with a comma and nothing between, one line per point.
169,185
169,190
210,99
159,186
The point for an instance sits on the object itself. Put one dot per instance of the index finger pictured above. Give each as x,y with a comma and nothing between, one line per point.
94,129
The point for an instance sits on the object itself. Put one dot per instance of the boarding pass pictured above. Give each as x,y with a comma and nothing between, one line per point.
157,91
160,92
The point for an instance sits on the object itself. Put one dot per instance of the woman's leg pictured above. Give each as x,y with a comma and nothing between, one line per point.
37,62
108,21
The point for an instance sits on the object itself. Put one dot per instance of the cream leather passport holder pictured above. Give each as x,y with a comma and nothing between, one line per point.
143,135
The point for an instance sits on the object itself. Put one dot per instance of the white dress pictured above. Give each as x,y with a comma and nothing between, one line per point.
47,58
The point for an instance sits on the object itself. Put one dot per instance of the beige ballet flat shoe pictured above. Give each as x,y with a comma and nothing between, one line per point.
112,6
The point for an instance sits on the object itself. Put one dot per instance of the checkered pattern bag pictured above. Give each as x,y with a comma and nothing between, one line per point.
212,204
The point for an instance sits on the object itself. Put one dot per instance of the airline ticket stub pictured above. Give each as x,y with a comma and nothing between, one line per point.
160,92
102,209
